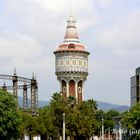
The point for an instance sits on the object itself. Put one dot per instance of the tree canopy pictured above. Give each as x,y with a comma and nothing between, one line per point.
131,122
80,118
9,117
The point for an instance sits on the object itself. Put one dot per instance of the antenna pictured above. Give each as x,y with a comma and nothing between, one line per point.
14,71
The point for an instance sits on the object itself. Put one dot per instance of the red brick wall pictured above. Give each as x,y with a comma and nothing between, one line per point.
72,88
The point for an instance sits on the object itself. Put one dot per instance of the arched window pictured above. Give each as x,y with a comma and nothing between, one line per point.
72,88
62,62
74,62
80,62
67,62
71,46
85,63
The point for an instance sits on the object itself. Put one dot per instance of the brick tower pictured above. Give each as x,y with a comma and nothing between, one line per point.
71,62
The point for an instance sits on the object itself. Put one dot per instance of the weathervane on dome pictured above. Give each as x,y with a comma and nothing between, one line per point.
71,17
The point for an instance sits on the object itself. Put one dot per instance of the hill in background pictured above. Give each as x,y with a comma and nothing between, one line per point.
101,105
107,106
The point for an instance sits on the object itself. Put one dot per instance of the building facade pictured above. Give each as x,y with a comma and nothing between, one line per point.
135,88
71,63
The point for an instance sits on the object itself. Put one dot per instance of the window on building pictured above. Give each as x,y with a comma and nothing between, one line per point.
61,62
67,62
74,62
80,62
71,46
84,63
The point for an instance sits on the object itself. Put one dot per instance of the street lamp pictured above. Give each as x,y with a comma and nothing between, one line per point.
63,126
120,132
102,129
109,133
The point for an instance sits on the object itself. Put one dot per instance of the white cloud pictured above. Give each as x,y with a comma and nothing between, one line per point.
34,27
19,46
19,51
41,17
122,36
104,3
63,5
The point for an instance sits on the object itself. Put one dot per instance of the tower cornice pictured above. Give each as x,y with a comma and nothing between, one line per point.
71,51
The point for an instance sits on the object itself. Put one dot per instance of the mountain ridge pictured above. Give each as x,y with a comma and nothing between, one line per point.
105,106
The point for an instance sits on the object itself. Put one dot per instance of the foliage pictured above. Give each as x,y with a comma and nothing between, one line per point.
108,119
28,125
9,117
131,121
87,124
80,118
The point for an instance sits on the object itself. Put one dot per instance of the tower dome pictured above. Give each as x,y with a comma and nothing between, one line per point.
71,62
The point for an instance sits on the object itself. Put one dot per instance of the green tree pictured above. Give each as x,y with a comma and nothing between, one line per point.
131,121
57,108
100,114
80,118
28,125
9,117
50,118
46,123
87,125
109,118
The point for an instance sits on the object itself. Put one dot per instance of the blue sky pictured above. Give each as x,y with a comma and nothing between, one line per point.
30,30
